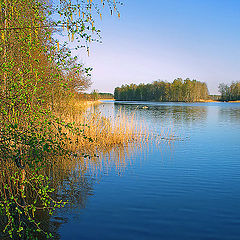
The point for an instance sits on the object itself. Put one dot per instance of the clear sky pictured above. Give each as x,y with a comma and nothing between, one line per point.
167,39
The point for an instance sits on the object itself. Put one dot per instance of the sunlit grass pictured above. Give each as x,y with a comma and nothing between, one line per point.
100,144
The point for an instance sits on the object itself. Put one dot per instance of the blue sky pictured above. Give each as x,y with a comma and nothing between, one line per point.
166,39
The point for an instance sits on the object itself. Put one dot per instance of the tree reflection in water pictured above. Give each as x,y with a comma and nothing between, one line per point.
75,182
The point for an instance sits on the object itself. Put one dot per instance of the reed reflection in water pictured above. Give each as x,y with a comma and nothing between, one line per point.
74,179
230,114
75,184
185,190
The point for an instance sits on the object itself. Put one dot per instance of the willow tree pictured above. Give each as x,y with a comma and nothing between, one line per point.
36,72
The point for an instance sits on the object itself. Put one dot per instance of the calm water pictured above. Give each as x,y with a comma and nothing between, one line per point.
188,188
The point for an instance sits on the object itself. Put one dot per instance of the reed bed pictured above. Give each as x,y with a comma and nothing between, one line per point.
100,133
108,142
98,143
94,143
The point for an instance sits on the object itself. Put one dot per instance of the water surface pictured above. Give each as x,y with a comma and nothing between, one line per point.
188,188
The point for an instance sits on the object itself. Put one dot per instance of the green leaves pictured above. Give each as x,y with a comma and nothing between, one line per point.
38,80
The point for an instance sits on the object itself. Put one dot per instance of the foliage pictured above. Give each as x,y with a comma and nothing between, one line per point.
214,97
38,80
230,93
106,96
178,91
95,94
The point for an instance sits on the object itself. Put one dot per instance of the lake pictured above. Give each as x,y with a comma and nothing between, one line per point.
183,184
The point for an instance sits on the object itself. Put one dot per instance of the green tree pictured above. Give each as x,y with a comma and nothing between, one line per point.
95,94
229,93
176,90
225,92
187,90
38,79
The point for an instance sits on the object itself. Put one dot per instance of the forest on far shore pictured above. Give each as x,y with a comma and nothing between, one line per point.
178,91
230,92
160,91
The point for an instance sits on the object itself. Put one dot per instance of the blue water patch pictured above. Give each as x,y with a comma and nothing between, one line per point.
187,188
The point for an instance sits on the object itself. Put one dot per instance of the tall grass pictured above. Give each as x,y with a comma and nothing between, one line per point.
92,141
106,132
87,137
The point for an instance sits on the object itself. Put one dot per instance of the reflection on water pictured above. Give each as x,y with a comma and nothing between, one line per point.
230,114
75,189
75,183
177,113
187,188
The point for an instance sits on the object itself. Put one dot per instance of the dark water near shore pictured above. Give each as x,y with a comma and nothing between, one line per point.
186,188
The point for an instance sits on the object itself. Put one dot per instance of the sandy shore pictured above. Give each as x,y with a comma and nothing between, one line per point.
201,100
208,100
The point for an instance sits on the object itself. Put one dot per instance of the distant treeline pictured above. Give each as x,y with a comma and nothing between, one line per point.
215,97
230,93
105,96
179,91
94,95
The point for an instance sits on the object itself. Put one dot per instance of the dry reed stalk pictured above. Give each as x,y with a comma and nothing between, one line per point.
102,143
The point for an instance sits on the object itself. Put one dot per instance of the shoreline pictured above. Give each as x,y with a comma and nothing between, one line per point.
237,101
200,101
98,101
